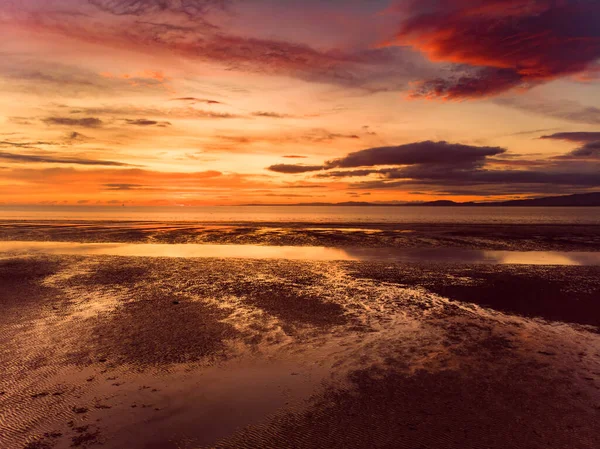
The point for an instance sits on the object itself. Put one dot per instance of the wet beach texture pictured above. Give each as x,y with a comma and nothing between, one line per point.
140,352
490,236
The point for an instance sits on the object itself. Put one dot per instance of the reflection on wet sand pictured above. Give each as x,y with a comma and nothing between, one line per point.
314,253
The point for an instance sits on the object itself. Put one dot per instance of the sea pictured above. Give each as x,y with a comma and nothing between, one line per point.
309,214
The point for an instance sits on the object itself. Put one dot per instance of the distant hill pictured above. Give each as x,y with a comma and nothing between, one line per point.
579,199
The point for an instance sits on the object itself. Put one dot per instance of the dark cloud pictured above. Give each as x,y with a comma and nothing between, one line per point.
591,150
501,44
146,122
74,136
294,156
294,169
427,152
348,173
460,169
57,160
86,122
478,83
579,136
498,181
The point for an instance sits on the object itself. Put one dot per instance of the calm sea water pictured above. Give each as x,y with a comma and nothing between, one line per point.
310,214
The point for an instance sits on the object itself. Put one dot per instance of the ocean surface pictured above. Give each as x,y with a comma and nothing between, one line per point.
310,214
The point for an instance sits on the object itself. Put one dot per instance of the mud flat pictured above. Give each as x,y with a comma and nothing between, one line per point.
149,352
490,236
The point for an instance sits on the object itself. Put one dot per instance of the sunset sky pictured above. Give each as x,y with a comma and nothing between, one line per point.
193,102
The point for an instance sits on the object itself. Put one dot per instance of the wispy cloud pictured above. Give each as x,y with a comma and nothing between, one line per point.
85,122
569,110
36,158
578,136
146,122
294,169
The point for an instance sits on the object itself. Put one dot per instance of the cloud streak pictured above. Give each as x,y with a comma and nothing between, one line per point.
57,160
579,136
85,122
146,122
293,168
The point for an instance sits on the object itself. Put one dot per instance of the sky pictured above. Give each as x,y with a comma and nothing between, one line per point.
223,102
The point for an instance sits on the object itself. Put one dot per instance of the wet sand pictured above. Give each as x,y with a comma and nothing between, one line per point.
497,236
149,352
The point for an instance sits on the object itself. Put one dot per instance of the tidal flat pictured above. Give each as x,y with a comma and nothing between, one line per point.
151,352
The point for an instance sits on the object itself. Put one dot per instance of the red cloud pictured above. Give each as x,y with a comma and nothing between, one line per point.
503,43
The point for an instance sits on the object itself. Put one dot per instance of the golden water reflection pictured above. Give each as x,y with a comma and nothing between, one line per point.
317,253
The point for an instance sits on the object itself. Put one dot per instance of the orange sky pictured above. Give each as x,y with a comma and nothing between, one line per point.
194,102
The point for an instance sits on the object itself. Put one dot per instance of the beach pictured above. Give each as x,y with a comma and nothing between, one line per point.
199,352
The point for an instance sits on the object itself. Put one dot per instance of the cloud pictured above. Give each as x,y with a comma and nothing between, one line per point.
173,113
348,173
144,7
427,152
271,114
74,136
146,122
500,44
294,156
480,83
196,100
123,186
57,160
322,135
458,168
159,28
30,145
294,169
579,136
502,179
569,110
86,122
591,150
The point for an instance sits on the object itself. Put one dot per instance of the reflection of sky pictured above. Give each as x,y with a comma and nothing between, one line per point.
405,255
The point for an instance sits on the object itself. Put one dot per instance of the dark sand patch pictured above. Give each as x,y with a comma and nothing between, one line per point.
569,294
22,292
156,332
472,408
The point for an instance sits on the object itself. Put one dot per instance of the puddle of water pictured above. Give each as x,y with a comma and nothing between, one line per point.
316,253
